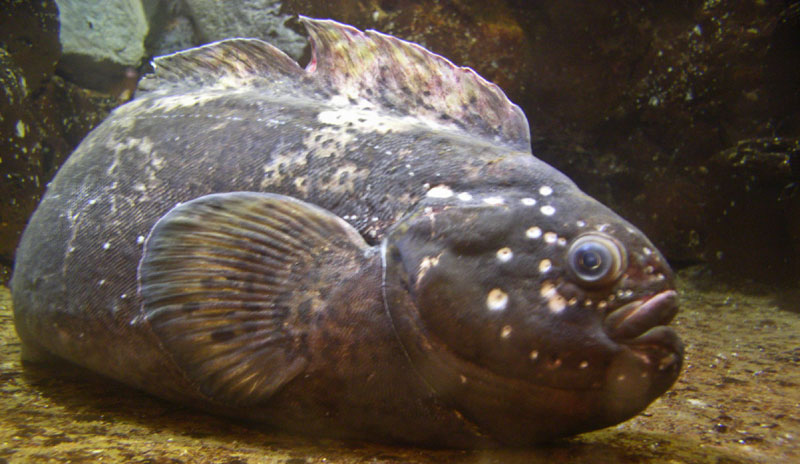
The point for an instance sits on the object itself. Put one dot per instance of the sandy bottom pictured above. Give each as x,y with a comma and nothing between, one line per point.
738,400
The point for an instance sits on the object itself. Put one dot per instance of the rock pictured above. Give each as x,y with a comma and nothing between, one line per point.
177,34
42,118
171,29
29,50
101,41
29,33
261,19
635,101
754,207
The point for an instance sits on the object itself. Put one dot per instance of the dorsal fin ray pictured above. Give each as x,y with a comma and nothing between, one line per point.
370,69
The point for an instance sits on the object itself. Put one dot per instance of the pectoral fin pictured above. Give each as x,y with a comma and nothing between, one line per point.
229,286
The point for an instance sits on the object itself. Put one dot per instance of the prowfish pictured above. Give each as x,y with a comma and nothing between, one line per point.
364,248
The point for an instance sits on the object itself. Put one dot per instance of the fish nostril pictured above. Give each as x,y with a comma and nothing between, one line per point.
553,361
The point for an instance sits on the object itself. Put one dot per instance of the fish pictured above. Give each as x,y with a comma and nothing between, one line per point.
364,248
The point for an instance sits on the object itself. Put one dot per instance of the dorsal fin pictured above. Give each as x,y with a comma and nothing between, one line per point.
369,69
407,78
231,62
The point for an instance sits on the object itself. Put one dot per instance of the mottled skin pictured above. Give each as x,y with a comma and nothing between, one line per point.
393,349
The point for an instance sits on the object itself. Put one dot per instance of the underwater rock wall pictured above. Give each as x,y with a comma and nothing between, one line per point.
683,117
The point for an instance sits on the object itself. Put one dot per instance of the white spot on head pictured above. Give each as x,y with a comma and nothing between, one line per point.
494,201
534,355
550,237
581,223
505,254
621,377
545,190
583,365
497,300
463,379
534,232
440,191
106,246
140,239
562,241
547,210
101,282
647,251
602,305
506,332
464,196
528,201
545,265
556,303
548,289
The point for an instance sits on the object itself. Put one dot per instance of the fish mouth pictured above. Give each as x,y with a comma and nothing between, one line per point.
642,324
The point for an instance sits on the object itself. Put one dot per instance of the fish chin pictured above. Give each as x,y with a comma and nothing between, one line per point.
650,357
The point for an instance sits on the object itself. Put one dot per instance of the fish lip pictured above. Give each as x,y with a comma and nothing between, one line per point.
631,323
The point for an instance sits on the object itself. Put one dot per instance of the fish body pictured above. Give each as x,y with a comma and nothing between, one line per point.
365,248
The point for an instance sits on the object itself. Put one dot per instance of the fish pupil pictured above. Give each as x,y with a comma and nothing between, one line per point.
590,260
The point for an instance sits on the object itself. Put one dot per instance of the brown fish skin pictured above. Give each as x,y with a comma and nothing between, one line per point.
458,319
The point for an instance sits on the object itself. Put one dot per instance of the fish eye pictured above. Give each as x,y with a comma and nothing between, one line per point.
595,259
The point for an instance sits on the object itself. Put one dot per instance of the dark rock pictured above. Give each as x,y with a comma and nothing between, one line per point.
100,41
42,118
636,101
29,33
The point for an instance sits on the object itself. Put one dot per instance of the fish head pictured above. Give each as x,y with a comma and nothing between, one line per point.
537,313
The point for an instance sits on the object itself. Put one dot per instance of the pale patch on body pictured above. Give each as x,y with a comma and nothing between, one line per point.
175,102
365,117
427,263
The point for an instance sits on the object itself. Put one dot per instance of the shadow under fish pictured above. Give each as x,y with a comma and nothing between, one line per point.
364,248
